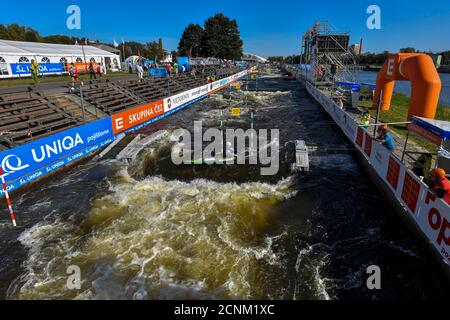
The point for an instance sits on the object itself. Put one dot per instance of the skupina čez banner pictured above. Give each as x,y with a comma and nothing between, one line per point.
33,160
431,214
135,118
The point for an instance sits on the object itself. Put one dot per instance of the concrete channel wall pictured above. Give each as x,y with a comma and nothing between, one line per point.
34,160
416,203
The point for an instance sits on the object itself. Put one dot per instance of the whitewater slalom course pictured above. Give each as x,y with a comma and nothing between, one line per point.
150,229
37,159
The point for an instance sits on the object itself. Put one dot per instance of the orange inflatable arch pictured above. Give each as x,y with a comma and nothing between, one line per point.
425,83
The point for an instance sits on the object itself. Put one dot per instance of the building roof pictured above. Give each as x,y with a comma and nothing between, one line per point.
8,47
108,48
253,57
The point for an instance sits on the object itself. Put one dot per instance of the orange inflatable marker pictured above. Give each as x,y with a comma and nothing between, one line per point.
425,83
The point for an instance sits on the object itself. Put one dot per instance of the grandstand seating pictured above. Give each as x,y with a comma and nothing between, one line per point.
29,116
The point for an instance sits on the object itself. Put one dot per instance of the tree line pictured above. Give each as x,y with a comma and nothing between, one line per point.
367,58
218,38
22,33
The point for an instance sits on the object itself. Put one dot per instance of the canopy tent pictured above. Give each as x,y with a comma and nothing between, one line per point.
20,52
436,132
439,128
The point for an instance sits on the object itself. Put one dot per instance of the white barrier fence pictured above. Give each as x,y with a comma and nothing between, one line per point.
431,214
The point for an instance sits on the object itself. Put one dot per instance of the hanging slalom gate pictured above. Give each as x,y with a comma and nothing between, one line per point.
8,200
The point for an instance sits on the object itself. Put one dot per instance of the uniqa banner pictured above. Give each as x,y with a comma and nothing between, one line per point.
24,68
29,157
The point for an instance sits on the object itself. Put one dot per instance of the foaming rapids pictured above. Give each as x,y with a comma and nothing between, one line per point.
159,239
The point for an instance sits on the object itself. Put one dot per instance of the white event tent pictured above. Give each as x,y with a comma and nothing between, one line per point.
51,57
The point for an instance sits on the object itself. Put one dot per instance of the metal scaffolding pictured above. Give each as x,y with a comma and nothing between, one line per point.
326,50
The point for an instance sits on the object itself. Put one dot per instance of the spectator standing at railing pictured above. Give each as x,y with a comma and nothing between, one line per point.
91,71
73,72
139,71
422,166
34,68
365,118
168,68
100,70
441,185
384,137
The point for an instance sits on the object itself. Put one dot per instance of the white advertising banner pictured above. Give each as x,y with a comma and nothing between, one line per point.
173,102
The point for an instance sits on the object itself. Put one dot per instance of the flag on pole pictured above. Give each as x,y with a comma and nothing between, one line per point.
139,55
115,44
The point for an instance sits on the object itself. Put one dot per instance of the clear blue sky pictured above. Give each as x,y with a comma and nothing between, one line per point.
267,27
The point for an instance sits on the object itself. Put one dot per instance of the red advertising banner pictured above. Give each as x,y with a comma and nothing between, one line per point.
82,67
130,118
393,172
424,133
410,193
359,137
368,145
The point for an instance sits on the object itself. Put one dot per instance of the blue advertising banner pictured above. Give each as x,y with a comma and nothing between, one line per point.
62,147
183,61
158,72
24,68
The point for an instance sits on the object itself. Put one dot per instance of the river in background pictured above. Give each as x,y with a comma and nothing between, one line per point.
404,87
153,230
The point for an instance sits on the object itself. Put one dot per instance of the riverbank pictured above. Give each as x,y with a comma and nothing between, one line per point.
398,112
404,87
376,68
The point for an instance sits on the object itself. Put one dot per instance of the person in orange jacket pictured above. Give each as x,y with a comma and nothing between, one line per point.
441,185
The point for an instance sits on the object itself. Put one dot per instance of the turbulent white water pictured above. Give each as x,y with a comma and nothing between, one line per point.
158,239
153,230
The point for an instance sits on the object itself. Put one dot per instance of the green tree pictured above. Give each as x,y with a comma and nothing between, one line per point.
275,58
221,38
153,50
174,55
407,50
191,41
61,39
32,35
160,48
445,57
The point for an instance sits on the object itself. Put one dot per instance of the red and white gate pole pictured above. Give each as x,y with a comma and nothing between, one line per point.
11,211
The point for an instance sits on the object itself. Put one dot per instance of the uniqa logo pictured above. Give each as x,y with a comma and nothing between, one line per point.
12,163
56,147
22,68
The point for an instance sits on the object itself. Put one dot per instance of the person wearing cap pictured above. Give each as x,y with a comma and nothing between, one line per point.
365,118
441,185
34,67
384,137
